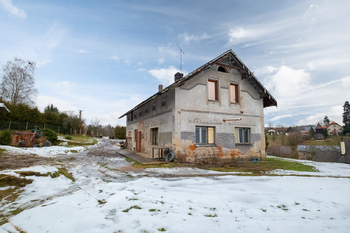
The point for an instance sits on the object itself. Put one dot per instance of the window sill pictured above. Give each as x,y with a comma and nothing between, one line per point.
205,145
244,144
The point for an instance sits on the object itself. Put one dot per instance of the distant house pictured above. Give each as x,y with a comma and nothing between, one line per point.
334,129
289,130
319,133
217,109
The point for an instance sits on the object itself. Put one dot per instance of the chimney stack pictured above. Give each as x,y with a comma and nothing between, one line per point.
160,87
178,76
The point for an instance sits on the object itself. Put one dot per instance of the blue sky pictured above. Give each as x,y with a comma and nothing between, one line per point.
104,57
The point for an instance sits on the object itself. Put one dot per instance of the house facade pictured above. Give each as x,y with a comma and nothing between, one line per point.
215,110
334,129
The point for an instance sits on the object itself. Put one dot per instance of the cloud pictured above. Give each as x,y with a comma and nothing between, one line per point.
276,118
240,34
116,58
169,50
346,82
40,48
7,4
195,38
334,114
287,82
63,105
325,62
82,51
161,60
64,86
166,76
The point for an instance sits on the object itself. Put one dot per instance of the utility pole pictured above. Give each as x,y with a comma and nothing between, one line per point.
181,52
80,111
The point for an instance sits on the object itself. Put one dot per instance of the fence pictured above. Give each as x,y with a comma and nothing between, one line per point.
27,126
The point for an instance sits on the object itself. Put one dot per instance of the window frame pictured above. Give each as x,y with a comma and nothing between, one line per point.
216,89
241,139
236,87
207,136
154,136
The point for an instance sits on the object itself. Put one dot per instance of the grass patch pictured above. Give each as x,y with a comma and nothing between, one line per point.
16,211
265,166
162,229
10,195
80,140
6,180
132,207
30,173
101,202
2,150
62,171
154,210
74,151
211,215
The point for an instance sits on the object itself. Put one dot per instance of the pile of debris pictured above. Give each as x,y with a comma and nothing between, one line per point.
29,139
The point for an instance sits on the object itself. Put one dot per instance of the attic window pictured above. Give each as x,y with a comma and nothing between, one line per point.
222,69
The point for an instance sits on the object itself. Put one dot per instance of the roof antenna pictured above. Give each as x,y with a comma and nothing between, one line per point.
181,52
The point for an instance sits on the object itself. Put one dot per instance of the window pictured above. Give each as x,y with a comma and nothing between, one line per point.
222,69
234,93
213,90
242,135
205,135
154,136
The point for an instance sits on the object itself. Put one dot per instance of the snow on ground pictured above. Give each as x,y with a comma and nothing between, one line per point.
104,198
51,151
221,204
186,171
324,168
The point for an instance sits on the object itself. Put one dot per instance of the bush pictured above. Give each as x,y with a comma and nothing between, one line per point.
68,137
120,132
6,137
51,135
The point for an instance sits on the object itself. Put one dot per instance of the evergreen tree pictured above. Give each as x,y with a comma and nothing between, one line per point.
120,132
326,121
312,132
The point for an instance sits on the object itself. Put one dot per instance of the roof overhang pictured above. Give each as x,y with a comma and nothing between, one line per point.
3,107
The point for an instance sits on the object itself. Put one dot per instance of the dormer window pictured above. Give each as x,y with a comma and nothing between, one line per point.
222,69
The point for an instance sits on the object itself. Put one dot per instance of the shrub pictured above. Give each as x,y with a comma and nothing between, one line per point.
50,134
68,137
120,132
6,137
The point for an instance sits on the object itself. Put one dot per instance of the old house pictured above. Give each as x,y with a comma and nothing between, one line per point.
334,129
218,109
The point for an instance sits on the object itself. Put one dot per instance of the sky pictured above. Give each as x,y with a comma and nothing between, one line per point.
105,57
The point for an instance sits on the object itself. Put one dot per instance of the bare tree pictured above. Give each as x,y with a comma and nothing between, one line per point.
17,84
96,127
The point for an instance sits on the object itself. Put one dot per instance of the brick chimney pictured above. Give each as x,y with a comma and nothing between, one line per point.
160,87
178,76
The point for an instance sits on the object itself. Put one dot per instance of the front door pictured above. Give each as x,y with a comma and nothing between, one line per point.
138,141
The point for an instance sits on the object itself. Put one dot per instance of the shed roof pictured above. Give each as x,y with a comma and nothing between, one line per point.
235,63
3,107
